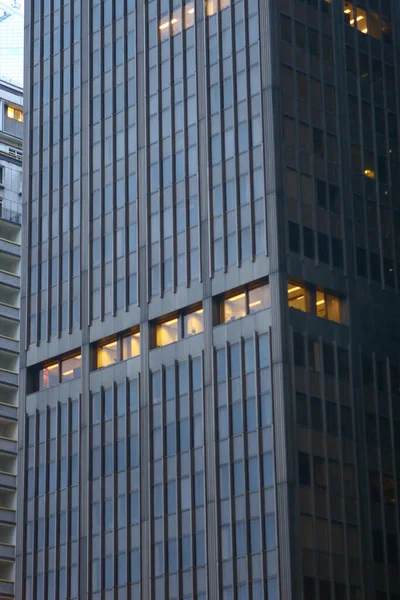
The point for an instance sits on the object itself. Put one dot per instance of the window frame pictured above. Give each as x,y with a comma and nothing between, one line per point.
57,363
313,295
9,108
180,317
246,290
119,340
302,287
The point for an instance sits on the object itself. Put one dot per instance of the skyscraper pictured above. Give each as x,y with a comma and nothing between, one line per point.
210,382
11,128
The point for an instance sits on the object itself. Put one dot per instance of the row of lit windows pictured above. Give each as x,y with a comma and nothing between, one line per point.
248,301
183,19
186,324
327,306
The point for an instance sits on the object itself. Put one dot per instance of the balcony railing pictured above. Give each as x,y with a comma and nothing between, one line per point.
10,215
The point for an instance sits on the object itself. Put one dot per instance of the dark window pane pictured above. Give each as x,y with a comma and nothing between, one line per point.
316,413
286,29
308,242
346,422
377,546
301,409
331,418
294,237
329,360
298,349
304,469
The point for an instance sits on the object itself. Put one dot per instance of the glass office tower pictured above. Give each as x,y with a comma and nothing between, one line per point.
210,381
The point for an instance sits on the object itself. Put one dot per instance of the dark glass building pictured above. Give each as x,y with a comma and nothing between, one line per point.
210,374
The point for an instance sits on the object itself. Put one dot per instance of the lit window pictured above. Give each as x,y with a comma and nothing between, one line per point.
328,306
194,323
259,299
370,173
173,24
130,346
361,20
358,19
167,332
213,5
71,368
48,376
189,14
13,113
107,354
349,12
245,303
235,307
297,297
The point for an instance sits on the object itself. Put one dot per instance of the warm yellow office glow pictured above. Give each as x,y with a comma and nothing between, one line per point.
235,307
107,354
167,333
297,297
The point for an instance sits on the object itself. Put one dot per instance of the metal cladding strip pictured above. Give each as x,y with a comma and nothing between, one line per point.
84,564
209,412
280,359
144,410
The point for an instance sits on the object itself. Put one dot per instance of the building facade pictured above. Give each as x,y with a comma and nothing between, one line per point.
11,129
210,379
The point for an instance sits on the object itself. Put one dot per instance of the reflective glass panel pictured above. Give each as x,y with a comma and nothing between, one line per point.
297,297
107,354
48,376
194,323
71,368
167,332
259,299
235,307
131,346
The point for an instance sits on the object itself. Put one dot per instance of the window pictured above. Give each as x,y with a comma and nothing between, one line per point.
235,307
49,376
14,113
127,345
167,332
193,323
298,297
247,302
107,354
212,6
1,175
328,306
183,325
130,346
172,24
71,368
65,369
